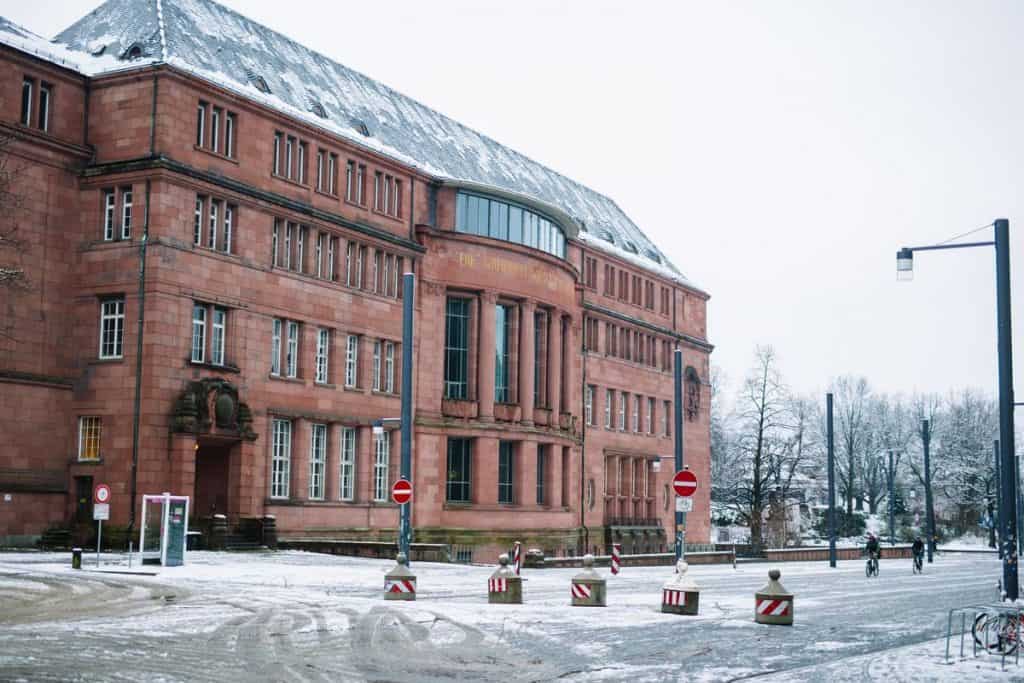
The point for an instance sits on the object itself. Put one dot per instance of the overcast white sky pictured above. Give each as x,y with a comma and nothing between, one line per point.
779,152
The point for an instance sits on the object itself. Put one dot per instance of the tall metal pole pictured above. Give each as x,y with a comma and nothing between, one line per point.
678,418
998,475
892,501
831,483
1008,484
1020,506
929,513
408,298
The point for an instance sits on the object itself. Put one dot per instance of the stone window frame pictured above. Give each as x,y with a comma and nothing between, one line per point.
90,431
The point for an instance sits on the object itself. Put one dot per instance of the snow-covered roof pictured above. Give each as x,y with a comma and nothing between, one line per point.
234,51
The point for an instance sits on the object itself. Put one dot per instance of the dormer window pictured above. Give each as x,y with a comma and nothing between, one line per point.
257,81
133,52
316,107
630,247
360,126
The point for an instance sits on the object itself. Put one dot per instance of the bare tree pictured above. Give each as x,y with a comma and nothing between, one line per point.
12,203
854,434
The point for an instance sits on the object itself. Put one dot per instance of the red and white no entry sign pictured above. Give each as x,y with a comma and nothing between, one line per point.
684,483
401,492
101,494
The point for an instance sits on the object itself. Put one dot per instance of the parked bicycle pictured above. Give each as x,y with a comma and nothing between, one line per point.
998,633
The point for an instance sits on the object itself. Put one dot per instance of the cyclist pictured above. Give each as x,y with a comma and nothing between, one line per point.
917,549
873,549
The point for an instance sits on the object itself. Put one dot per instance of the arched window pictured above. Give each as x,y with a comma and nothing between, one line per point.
692,382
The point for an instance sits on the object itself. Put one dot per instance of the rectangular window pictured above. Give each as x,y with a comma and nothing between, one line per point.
320,170
323,352
289,156
623,403
668,418
274,238
590,273
201,124
197,227
381,460
126,213
229,224
350,170
300,251
215,129
303,153
459,471
540,358
281,459
348,463
112,328
214,222
360,259
588,407
220,317
350,249
387,194
332,174
378,284
275,347
664,301
377,345
506,472
287,256
109,205
636,414
332,248
377,177
319,254
198,333
27,87
360,185
229,135
650,415
502,352
396,200
317,461
389,367
44,106
456,349
89,429
542,470
277,153
292,354
609,404
351,361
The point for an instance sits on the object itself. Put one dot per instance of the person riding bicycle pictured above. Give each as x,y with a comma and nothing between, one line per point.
918,547
873,549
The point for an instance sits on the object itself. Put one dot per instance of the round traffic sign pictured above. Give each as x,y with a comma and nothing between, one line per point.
684,483
401,492
101,494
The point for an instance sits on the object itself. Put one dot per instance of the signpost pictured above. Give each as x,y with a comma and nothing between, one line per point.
401,492
100,512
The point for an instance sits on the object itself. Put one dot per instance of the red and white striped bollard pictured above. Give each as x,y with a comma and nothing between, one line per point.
616,557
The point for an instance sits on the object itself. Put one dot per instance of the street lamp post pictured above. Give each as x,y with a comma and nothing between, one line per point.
1008,485
831,483
929,511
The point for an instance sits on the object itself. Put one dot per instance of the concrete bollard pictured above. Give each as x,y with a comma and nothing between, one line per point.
400,582
76,558
680,594
504,587
772,604
270,531
587,588
218,532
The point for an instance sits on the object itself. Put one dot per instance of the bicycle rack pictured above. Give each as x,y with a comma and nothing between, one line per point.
994,610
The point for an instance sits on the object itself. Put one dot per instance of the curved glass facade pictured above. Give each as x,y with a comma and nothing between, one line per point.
497,219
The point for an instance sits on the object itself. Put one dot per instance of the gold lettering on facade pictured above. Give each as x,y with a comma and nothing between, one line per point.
523,271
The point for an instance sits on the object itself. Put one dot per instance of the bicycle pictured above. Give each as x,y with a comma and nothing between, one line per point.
918,564
997,633
872,567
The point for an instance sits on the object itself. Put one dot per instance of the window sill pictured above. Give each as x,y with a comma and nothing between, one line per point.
325,385
329,195
289,380
377,212
290,181
386,394
106,361
218,155
219,252
219,368
98,461
357,205
354,390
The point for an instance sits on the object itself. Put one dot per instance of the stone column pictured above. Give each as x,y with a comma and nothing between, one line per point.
555,365
299,485
364,464
484,471
485,356
526,353
572,367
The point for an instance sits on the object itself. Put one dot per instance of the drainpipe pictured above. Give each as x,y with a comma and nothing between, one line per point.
139,329
583,444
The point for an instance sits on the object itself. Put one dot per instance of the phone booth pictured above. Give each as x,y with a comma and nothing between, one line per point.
164,529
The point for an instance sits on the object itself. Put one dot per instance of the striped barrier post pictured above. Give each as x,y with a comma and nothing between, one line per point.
773,604
680,594
587,588
504,587
517,557
616,557
400,582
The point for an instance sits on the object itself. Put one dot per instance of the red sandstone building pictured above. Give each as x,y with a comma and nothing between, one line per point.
217,220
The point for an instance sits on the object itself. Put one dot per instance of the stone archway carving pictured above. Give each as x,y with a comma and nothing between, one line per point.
211,405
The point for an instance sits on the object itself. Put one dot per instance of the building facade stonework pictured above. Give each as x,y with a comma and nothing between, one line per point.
214,308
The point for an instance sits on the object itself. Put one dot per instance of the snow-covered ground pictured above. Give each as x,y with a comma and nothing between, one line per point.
301,616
